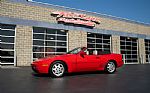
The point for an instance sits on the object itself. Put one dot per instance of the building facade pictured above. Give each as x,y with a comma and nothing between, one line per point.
31,30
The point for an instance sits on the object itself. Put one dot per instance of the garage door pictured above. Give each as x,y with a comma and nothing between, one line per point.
147,50
7,44
48,42
129,49
99,42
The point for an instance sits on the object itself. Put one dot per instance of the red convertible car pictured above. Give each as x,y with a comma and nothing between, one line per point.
77,60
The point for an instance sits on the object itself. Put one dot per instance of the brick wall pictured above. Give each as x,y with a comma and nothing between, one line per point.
18,10
142,54
23,45
77,39
115,40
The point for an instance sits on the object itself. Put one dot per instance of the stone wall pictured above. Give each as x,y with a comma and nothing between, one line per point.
23,45
77,39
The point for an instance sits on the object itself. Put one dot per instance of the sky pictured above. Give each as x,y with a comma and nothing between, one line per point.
137,10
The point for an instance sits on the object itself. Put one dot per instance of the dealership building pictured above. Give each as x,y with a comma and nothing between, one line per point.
30,30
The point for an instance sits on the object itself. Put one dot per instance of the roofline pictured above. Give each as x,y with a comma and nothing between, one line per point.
81,11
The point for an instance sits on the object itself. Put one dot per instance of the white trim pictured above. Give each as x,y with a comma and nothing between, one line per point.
7,36
111,47
8,29
7,43
139,58
56,40
32,59
39,39
7,49
7,57
99,38
37,46
15,55
50,34
7,63
99,43
123,57
50,40
131,62
67,43
55,34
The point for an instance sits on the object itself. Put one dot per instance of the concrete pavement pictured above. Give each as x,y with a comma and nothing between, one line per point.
128,79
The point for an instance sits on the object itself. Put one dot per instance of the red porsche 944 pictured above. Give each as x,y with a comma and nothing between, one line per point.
78,60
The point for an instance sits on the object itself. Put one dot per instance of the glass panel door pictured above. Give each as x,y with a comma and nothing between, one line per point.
7,42
129,49
147,50
98,42
48,42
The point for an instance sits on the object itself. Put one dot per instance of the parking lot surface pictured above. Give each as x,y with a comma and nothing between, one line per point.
128,79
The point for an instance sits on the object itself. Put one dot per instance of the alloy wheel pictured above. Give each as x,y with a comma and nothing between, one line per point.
111,67
58,69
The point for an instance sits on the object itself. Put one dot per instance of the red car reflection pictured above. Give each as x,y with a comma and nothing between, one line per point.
77,60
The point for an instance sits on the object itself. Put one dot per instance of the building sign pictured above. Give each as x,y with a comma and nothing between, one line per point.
75,18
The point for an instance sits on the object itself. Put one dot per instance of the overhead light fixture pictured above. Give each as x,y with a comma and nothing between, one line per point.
29,0
128,38
62,30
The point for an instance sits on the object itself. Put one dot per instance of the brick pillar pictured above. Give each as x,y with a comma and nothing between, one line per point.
77,39
23,45
115,44
142,55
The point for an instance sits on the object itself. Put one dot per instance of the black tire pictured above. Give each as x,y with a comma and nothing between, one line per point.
57,69
110,67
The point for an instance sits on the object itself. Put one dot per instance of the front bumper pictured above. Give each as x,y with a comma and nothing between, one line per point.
34,68
120,64
40,68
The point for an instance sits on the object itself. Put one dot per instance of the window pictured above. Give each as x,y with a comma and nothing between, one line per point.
129,49
147,50
7,38
47,42
99,42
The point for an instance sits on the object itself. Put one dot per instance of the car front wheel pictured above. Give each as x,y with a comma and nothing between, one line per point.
57,69
110,67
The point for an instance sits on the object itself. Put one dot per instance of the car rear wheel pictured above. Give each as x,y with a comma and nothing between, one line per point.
110,67
57,69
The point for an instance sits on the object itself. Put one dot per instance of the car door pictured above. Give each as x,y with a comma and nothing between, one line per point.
87,62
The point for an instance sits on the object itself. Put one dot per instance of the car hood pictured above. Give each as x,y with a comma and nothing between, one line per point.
54,57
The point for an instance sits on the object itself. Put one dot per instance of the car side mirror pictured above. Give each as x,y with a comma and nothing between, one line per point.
82,54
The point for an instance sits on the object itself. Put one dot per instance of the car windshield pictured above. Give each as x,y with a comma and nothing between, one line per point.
75,51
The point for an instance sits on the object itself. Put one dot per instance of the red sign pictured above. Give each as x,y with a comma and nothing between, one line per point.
75,18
